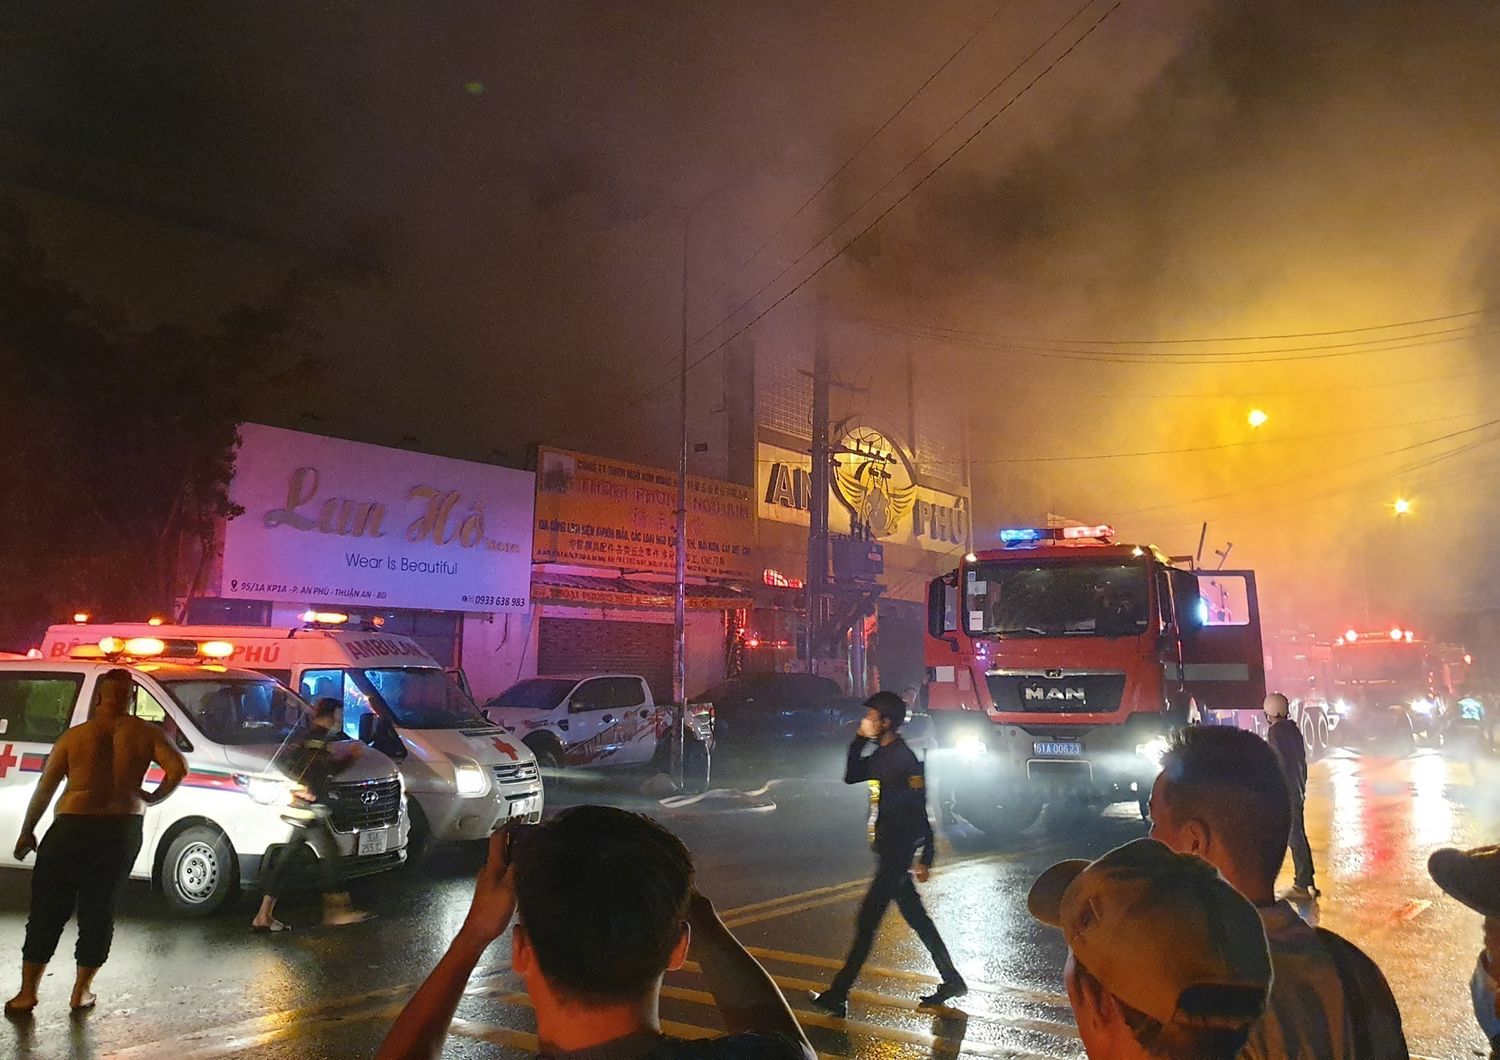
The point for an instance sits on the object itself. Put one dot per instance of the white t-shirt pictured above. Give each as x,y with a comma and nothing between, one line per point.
1308,1017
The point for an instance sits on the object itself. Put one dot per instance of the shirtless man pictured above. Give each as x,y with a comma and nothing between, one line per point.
95,835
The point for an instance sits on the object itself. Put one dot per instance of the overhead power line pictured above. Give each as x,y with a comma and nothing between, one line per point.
1228,358
862,148
889,209
1294,479
1238,338
835,175
1247,443
1450,476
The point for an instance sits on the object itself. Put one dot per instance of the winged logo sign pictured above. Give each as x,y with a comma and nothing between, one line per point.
872,479
873,483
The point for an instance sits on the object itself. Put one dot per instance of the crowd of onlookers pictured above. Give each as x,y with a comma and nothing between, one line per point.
1178,945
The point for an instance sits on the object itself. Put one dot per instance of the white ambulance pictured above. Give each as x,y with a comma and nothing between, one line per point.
464,775
235,808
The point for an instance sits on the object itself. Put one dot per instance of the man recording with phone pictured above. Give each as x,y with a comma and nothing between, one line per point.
593,970
901,826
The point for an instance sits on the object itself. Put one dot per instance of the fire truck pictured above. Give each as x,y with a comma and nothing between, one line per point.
1396,686
1058,663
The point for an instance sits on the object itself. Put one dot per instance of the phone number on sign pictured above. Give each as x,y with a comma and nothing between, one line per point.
496,601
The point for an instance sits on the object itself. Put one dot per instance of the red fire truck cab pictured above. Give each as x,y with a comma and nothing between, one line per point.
1057,664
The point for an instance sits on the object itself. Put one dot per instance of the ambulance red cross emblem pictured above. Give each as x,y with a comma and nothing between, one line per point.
500,745
8,759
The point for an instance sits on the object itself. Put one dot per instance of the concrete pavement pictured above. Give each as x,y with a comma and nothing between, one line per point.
788,881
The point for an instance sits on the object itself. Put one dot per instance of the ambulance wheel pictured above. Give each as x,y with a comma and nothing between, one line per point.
199,871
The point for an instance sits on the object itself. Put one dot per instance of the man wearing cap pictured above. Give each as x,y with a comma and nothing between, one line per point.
1473,877
901,826
1221,795
1165,960
1285,739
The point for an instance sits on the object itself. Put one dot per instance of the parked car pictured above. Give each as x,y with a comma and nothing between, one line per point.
578,721
761,711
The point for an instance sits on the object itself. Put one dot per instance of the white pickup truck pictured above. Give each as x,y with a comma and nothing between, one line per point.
602,720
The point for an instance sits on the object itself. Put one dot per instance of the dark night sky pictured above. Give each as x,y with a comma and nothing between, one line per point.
505,261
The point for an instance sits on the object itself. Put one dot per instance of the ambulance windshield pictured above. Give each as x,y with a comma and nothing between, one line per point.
235,711
422,697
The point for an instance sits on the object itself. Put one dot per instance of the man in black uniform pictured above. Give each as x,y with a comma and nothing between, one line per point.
901,826
1285,739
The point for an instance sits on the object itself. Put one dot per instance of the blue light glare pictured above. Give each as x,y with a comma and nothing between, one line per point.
1021,534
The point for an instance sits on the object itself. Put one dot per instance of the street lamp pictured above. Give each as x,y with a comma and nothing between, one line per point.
1258,418
1402,506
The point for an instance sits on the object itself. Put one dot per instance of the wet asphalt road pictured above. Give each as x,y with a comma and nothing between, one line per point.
788,880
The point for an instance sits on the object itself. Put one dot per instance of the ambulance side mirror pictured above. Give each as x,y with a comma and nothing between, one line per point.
369,728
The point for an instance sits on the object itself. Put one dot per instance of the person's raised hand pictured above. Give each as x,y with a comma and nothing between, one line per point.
494,892
921,872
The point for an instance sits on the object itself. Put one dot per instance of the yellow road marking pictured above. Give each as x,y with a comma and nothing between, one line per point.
495,1034
873,1030
734,918
813,961
1061,1030
782,899
231,1038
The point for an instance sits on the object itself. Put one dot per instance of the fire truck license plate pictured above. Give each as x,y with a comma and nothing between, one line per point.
372,843
1062,749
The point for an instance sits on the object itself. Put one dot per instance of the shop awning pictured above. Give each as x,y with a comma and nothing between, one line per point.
630,593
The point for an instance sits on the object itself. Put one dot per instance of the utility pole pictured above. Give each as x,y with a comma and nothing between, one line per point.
817,524
679,603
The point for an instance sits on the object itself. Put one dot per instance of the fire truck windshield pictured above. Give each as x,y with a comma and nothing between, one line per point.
1069,598
1382,661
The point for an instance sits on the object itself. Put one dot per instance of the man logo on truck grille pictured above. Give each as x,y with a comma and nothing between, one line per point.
1053,695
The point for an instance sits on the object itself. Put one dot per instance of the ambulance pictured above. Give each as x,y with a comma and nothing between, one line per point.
235,808
464,775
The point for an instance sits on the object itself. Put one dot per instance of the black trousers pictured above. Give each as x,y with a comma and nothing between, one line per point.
1302,862
296,866
80,864
892,882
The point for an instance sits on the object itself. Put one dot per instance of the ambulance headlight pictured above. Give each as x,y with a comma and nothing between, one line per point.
971,748
469,778
1153,750
268,791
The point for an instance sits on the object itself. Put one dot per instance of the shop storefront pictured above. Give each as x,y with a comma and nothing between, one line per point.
438,549
604,570
921,523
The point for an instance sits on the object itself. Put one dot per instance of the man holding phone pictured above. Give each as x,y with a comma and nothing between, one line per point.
901,826
592,969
